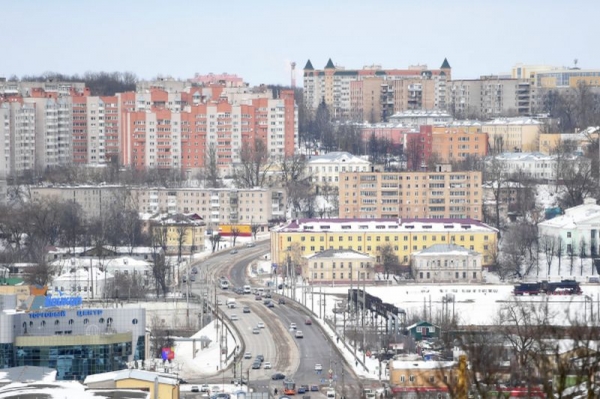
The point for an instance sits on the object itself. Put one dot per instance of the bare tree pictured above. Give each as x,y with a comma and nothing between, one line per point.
210,172
254,227
582,253
215,239
560,251
578,182
235,232
495,175
254,166
388,259
519,255
548,246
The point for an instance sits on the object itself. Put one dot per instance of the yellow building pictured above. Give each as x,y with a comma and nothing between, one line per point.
179,231
512,134
308,236
168,387
410,377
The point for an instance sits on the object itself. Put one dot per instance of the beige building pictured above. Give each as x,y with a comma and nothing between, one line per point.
338,266
94,200
158,385
448,263
215,206
436,195
510,134
179,231
411,377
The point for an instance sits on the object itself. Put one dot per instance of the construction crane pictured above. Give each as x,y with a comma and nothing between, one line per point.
293,65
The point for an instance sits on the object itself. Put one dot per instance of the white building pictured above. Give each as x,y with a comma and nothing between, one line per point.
534,165
123,265
446,263
325,169
418,118
84,282
577,230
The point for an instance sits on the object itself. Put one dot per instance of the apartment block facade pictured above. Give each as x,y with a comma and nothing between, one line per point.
406,236
215,206
434,195
372,94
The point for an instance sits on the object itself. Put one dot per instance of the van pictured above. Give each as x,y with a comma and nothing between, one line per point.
230,303
330,394
260,291
247,289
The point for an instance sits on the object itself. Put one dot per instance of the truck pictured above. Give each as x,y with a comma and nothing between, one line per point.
230,303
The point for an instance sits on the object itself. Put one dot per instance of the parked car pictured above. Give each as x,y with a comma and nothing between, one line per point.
278,376
215,389
193,278
250,244
195,388
204,388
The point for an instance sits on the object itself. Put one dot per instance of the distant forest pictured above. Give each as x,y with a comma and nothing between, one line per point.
99,83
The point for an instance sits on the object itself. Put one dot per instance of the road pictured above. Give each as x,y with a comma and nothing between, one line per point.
313,348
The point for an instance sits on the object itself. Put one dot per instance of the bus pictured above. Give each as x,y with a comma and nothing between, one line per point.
289,387
224,284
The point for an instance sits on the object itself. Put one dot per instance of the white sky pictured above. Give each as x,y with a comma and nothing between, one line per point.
257,39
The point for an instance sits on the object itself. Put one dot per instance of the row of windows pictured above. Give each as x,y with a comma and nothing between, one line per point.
387,238
333,276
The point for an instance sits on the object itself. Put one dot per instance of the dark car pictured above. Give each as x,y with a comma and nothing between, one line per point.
271,305
246,309
308,322
278,376
281,301
195,270
258,298
261,358
256,365
314,388
268,295
266,301
301,390
238,381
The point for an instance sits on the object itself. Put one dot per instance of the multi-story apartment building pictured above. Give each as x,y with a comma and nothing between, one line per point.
406,236
5,146
325,169
436,195
22,124
419,118
51,87
93,200
489,97
512,134
372,94
452,143
215,206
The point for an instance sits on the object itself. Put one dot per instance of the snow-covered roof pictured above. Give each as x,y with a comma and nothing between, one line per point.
113,263
421,113
513,121
384,225
523,156
576,215
340,254
130,374
119,250
335,157
66,389
446,249
27,373
83,274
423,365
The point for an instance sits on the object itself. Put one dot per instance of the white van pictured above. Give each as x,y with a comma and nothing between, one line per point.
330,394
260,291
230,303
247,289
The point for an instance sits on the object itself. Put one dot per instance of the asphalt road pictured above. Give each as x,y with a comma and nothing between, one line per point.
313,348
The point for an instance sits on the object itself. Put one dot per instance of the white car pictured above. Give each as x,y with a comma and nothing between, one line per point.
318,367
292,326
267,365
260,325
204,388
233,317
247,355
217,389
330,394
299,334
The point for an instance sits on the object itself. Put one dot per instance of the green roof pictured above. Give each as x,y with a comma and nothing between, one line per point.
346,73
380,72
309,66
330,65
11,281
445,64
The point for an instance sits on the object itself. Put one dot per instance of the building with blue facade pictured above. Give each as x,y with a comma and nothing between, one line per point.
76,341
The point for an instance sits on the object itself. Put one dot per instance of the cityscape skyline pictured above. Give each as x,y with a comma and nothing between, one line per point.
477,39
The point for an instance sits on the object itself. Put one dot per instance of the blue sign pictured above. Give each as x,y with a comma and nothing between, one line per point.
54,302
89,312
60,313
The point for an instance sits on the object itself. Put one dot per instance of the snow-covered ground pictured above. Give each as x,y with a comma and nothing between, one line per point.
203,361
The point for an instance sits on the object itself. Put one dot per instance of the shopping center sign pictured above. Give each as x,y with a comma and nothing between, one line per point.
60,301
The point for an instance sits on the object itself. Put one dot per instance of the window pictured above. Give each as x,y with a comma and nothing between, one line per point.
134,321
402,378
569,234
412,378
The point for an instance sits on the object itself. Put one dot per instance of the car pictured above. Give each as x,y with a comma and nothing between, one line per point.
292,326
260,357
240,381
255,331
193,278
222,395
260,324
215,389
268,295
256,365
306,387
299,334
314,388
371,395
204,388
195,270
301,389
308,322
281,301
271,305
258,297
318,367
233,317
278,376
195,388
247,355
246,309
266,301
330,394
267,366
233,252
219,301
184,278
250,244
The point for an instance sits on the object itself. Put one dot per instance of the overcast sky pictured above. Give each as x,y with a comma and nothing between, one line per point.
257,39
